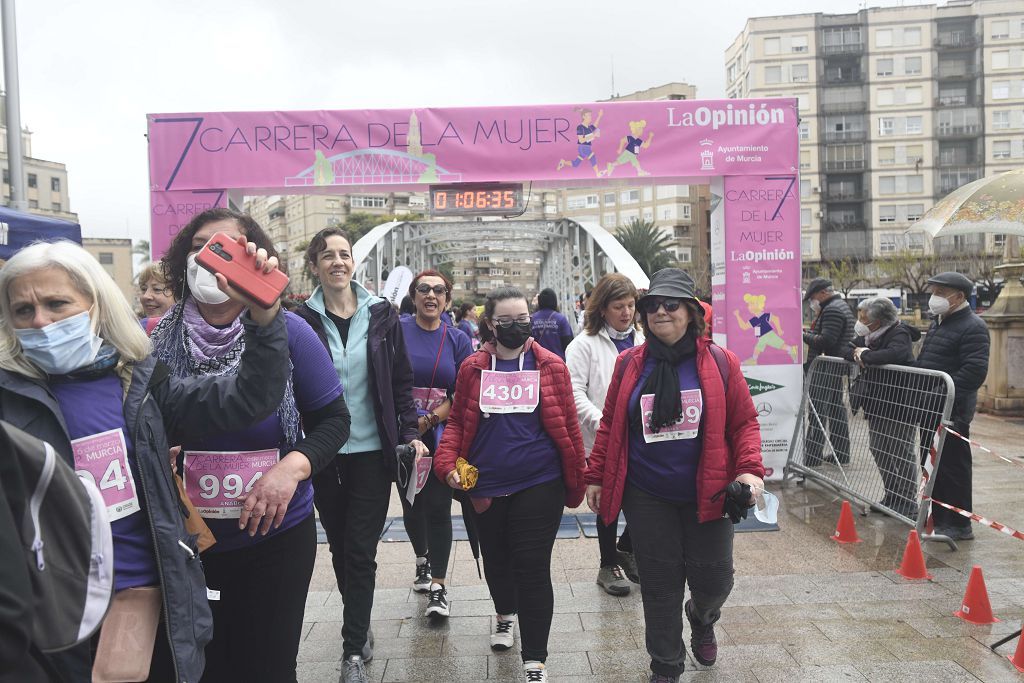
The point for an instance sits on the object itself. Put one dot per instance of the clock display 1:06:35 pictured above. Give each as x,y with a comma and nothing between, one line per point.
475,199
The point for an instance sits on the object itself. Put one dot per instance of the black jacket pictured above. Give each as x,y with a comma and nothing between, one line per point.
390,374
159,409
884,392
832,331
958,344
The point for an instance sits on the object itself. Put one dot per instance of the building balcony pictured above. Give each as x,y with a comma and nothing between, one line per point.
847,242
835,165
855,79
954,101
843,49
953,177
956,162
957,72
858,195
844,107
957,40
845,136
962,130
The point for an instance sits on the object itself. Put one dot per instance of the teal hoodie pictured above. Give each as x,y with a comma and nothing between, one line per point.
353,369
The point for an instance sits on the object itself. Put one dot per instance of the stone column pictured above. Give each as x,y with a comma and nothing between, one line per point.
1003,392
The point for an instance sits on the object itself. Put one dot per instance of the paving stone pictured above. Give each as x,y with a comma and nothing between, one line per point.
918,672
435,669
845,673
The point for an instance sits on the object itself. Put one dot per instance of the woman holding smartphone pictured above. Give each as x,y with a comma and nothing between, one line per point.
252,487
436,350
364,336
514,420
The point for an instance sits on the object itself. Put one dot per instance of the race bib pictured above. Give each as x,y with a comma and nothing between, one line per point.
509,392
217,482
103,458
685,427
424,466
428,398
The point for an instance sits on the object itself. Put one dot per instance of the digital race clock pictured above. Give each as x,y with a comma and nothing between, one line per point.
477,199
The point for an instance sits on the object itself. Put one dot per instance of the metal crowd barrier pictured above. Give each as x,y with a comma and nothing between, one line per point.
867,431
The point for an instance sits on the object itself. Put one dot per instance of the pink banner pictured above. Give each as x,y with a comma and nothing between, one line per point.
170,211
762,265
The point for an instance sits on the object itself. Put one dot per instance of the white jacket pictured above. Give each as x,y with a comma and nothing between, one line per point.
591,360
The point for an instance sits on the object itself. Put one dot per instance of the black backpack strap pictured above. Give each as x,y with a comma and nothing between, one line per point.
723,364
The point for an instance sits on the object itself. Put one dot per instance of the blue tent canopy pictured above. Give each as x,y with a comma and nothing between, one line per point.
19,229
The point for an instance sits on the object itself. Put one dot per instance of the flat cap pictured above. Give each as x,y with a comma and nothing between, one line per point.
670,282
954,280
816,285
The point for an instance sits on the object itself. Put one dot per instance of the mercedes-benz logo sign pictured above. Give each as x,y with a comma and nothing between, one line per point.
764,409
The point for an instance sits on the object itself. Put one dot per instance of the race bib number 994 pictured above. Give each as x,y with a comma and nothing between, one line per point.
217,482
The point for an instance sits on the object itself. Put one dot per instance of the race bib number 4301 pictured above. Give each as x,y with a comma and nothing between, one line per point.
103,458
217,482
509,392
686,427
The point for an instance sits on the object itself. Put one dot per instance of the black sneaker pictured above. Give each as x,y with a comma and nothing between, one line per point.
421,584
438,605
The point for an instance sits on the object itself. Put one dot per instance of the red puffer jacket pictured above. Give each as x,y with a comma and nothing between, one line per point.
557,413
732,436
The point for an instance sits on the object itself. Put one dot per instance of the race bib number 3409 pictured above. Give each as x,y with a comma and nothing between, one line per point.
686,426
103,458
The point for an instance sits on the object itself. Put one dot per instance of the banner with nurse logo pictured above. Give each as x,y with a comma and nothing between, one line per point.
761,304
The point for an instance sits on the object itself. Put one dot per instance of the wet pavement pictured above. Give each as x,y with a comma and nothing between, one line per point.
804,608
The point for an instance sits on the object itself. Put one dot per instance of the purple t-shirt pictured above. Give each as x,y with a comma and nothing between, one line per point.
666,469
315,382
425,351
467,329
512,450
548,327
623,344
91,407
762,324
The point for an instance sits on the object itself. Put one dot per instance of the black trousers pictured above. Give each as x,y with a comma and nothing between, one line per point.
429,524
826,395
891,441
257,623
352,497
517,534
953,479
673,549
606,541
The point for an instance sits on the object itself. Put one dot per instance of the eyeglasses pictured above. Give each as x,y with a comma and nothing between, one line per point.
652,305
509,322
159,291
424,288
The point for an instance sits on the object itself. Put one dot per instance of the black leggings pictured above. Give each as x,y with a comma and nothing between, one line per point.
517,534
257,623
429,524
606,541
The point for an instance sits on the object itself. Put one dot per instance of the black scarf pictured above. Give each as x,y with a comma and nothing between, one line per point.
663,381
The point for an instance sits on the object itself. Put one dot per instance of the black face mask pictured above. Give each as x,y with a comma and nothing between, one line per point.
515,336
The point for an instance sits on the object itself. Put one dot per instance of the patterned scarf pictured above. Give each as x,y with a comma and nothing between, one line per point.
615,334
191,347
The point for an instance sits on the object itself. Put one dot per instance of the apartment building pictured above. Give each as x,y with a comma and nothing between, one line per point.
46,185
899,106
115,255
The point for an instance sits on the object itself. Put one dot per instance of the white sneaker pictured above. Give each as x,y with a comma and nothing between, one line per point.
421,584
535,672
438,605
502,637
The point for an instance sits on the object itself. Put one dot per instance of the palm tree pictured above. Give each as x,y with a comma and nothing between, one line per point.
647,244
141,248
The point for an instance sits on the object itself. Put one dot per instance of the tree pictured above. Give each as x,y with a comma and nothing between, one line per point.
141,248
647,244
909,271
845,275
358,224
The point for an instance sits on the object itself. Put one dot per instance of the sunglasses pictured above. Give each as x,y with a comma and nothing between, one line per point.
424,288
652,305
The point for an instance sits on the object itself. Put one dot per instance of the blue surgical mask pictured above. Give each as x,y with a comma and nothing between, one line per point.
63,346
766,507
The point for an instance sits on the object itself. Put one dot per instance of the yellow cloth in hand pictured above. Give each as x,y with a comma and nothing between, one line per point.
467,473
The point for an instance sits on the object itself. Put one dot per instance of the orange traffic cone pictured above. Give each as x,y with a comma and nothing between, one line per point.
846,530
1017,659
912,566
976,608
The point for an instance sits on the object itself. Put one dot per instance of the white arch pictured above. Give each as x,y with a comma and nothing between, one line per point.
616,253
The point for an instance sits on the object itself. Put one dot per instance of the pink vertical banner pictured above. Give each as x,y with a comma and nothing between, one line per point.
762,262
171,210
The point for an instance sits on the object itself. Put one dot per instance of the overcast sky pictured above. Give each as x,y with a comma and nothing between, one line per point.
92,69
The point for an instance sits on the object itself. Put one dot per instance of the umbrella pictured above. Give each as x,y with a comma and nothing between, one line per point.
472,534
994,204
19,229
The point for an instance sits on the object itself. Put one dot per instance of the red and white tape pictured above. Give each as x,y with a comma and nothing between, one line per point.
977,445
979,519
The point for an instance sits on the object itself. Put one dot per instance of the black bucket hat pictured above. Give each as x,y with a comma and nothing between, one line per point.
672,283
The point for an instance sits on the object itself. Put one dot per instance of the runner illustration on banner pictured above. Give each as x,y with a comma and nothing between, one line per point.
586,132
629,148
767,329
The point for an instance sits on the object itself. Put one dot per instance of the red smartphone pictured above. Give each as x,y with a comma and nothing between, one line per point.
224,255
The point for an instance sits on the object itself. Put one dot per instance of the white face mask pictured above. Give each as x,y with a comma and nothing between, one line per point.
938,305
203,284
860,329
815,305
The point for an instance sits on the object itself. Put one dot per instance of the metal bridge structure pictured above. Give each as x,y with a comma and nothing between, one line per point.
573,256
373,167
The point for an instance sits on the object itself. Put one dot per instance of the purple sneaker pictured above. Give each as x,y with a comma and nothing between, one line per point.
702,640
